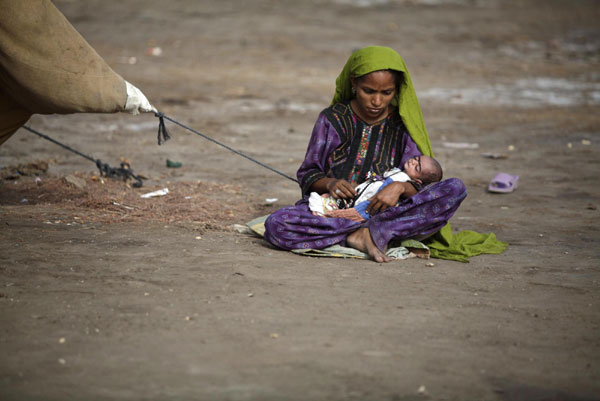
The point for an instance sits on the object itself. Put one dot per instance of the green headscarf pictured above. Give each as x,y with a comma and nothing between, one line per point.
375,58
444,244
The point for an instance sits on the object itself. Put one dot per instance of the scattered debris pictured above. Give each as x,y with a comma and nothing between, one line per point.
154,51
29,169
495,156
460,145
123,206
128,60
242,229
173,164
98,179
160,192
430,264
215,206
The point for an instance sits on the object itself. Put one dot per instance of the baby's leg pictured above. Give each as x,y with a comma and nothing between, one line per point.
351,214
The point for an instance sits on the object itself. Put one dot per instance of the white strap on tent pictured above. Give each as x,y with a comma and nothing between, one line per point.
136,101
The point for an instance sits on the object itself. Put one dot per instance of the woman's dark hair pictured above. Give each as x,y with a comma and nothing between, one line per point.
398,77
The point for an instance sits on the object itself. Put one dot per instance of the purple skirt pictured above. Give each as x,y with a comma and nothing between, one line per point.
420,216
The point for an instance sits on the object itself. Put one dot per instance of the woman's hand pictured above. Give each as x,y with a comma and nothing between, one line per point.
389,196
337,188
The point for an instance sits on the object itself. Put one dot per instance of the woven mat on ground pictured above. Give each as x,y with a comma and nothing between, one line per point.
398,250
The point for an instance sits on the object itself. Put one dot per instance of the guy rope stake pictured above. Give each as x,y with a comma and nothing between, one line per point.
163,136
124,171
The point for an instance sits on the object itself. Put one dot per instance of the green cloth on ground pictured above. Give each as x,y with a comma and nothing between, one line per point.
444,245
463,245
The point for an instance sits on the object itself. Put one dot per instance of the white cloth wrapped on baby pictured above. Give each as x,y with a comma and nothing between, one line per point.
321,204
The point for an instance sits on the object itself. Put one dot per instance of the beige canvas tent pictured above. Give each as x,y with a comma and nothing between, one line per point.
47,67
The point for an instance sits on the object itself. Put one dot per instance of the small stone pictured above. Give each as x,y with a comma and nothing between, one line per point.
586,142
569,145
274,335
62,340
61,361
250,295
75,181
430,264
422,390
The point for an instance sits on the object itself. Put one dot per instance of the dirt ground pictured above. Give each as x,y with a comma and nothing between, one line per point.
107,296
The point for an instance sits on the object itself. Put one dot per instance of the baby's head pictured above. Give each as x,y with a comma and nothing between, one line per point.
423,169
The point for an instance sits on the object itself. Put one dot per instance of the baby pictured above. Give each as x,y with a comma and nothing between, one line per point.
421,170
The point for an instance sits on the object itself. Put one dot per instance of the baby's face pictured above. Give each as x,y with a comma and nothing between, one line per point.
416,166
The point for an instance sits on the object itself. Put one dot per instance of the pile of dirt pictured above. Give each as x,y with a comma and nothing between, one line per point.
95,199
29,169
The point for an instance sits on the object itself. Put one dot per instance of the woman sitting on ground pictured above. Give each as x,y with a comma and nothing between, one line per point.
373,125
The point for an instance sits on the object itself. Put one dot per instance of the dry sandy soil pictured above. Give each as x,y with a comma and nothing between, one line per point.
105,296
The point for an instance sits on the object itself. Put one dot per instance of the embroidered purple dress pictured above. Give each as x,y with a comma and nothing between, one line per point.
344,146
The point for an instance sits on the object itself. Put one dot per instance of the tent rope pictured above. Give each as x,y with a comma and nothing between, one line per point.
105,169
163,136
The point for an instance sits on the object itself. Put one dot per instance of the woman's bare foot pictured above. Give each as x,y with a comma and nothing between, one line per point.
361,240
